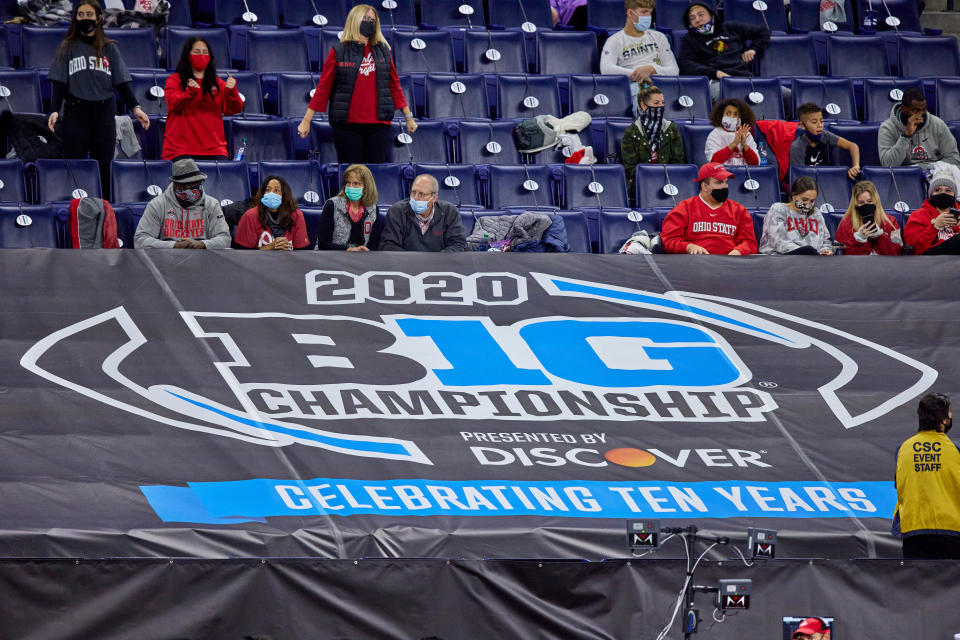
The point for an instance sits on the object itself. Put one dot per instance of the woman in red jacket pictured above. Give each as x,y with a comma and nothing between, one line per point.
197,100
275,223
932,229
866,229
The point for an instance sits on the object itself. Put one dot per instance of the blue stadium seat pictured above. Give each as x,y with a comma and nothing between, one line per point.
248,84
511,14
955,130
311,219
768,190
697,88
833,186
805,16
228,182
276,50
40,45
447,14
392,182
616,90
458,183
773,18
57,180
772,106
320,140
898,184
905,10
297,13
670,13
857,56
877,101
509,44
473,137
230,12
567,52
652,178
826,91
12,183
616,228
266,139
468,221
125,226
216,39
294,91
6,54
141,82
695,141
406,83
607,135
929,56
507,191
304,177
23,89
578,238
137,46
41,232
404,15
865,135
443,102
605,14
138,180
436,56
789,55
429,143
180,16
513,90
948,99
579,182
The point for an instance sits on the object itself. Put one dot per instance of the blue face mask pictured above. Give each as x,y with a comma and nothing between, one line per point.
271,200
419,206
706,29
643,23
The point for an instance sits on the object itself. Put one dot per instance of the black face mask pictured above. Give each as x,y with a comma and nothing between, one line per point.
948,425
368,28
942,200
904,117
86,27
720,195
866,211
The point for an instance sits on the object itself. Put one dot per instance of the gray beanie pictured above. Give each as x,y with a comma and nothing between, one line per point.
942,179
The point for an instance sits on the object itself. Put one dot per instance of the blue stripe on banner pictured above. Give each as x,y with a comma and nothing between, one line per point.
243,500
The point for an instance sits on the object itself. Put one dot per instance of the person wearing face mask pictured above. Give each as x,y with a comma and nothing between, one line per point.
913,136
275,224
796,227
197,99
183,216
349,220
933,228
422,222
360,89
710,223
927,516
85,71
866,229
731,141
651,138
810,147
638,51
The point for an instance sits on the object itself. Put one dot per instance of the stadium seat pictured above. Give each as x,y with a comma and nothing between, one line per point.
857,56
514,90
605,14
40,232
403,15
275,51
697,88
865,135
406,83
897,185
22,91
607,135
613,91
137,46
616,228
695,142
216,39
435,56
294,91
771,108
593,187
248,84
788,55
60,180
774,17
180,16
508,44
6,53
567,53
520,186
320,140
458,183
439,14
297,13
311,219
955,130
228,182
125,225
929,57
578,238
512,14
805,16
833,186
948,99
652,178
906,11
392,182
266,139
472,140
455,96
138,180
231,12
877,100
429,143
767,191
670,13
468,221
824,92
141,83
40,45
12,183
304,177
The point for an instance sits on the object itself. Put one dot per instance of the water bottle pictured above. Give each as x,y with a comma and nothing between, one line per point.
243,149
762,149
870,18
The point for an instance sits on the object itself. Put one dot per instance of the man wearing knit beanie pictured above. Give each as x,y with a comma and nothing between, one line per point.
932,229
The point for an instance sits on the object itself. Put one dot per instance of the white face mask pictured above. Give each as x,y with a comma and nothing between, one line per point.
730,124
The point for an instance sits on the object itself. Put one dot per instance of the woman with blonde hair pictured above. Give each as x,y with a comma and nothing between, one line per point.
360,89
866,229
349,219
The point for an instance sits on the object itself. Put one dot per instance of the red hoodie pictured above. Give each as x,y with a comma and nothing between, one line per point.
920,233
719,230
780,134
195,121
882,244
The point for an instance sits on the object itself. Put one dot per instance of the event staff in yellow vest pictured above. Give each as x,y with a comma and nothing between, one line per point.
928,485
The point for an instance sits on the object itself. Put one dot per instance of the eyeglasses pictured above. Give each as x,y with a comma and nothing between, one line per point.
420,195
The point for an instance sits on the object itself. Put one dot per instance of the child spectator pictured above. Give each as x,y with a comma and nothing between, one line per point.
349,219
866,229
638,51
796,227
275,223
810,147
731,142
651,138
932,229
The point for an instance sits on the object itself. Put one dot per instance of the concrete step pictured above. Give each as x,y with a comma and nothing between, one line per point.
939,5
949,22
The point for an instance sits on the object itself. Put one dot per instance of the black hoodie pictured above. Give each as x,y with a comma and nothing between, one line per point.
704,54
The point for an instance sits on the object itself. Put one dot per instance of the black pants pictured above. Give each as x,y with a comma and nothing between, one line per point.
362,143
805,250
949,247
938,547
202,158
89,128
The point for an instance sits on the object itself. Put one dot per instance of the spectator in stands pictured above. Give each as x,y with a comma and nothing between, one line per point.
927,516
197,100
797,227
422,222
651,138
812,629
276,223
912,136
932,229
349,219
183,216
810,148
709,223
731,142
360,83
719,49
866,229
86,69
569,13
638,51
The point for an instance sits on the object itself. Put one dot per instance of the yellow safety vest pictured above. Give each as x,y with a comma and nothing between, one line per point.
928,484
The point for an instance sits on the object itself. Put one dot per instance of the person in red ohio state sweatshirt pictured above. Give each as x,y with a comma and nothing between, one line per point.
709,223
933,228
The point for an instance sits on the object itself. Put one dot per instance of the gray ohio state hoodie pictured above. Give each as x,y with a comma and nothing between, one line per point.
927,145
165,221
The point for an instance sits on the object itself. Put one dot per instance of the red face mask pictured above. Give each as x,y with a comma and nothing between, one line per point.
199,61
